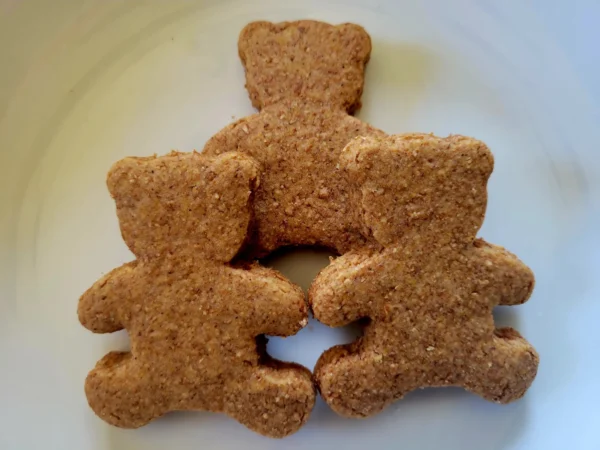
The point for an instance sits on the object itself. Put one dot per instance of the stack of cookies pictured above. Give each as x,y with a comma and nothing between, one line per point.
402,212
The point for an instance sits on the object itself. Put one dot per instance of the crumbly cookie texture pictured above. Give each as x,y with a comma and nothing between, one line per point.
305,77
192,317
429,293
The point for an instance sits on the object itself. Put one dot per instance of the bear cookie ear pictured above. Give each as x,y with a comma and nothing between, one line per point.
184,203
418,189
306,61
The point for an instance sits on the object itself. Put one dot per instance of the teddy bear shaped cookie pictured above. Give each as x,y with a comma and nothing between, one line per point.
429,292
306,78
192,316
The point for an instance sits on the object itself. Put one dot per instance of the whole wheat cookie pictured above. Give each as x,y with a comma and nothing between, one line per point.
429,293
193,318
305,77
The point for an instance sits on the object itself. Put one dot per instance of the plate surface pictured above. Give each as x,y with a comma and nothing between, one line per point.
82,86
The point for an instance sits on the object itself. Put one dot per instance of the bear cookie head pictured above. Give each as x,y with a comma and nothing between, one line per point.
176,204
307,60
436,197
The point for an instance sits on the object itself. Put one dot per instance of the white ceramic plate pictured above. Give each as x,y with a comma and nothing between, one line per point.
84,83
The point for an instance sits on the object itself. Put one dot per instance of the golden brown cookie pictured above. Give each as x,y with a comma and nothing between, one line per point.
429,293
305,77
193,318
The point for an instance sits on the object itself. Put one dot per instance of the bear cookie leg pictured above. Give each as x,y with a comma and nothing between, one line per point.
274,401
121,397
355,384
506,370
